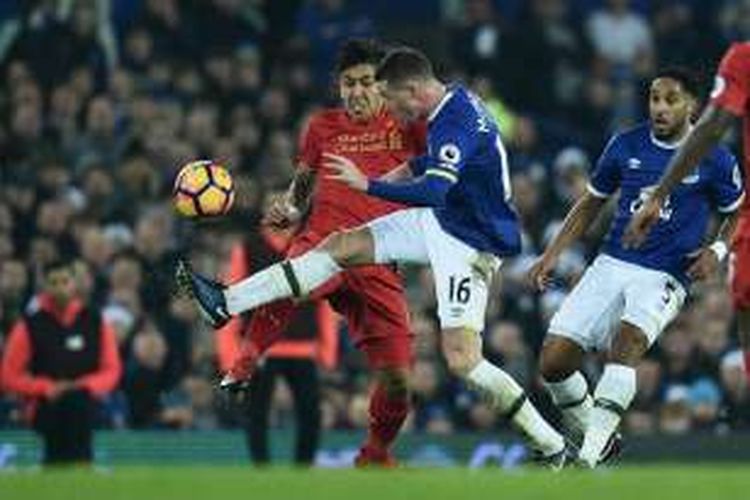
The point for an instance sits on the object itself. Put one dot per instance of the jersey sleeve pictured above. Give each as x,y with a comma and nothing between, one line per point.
605,180
732,82
727,186
308,149
448,146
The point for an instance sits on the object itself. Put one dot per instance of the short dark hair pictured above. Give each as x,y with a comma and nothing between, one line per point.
57,265
687,78
359,51
404,63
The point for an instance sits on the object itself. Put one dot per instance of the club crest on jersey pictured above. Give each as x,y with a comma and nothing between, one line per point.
634,163
449,153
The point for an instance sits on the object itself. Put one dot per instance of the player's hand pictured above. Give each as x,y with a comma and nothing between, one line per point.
539,275
345,171
706,263
641,223
281,214
61,387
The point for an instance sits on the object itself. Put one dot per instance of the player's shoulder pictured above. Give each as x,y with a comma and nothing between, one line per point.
325,118
453,107
460,113
631,138
739,50
640,132
721,156
736,58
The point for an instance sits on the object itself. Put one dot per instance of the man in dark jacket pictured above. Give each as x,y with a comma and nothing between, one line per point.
61,357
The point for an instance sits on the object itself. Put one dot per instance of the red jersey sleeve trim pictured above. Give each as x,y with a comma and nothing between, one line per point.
14,369
106,378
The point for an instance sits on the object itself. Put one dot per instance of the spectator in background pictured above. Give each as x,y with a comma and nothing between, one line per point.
323,26
144,382
56,40
549,54
480,43
62,357
14,286
621,36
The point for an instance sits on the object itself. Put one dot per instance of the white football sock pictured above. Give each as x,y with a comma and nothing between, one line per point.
298,276
612,397
502,393
571,396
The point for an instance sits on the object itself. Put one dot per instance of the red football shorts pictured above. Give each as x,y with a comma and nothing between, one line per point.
371,299
739,268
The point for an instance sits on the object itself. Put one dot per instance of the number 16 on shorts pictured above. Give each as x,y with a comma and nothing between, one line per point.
459,289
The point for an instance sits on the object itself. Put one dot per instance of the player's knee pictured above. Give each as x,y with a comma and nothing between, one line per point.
349,248
552,366
395,382
559,359
461,350
628,346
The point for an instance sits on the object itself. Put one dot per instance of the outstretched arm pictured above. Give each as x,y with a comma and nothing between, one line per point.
294,204
706,134
427,190
709,130
576,223
708,258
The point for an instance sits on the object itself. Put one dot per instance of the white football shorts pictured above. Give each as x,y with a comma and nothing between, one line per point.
462,274
612,291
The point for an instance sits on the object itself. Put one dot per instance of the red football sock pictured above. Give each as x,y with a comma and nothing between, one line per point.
387,415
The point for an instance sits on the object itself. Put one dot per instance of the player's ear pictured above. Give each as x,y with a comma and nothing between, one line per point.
413,87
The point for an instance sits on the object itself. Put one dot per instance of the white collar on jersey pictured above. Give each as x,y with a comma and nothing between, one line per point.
443,101
669,145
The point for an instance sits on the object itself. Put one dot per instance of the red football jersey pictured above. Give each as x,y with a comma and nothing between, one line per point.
732,92
376,147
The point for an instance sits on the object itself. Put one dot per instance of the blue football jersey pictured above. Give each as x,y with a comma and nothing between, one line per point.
465,148
633,162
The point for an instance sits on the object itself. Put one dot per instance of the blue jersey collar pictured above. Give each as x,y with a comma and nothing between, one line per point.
447,97
667,145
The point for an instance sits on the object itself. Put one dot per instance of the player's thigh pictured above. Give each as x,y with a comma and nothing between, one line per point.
399,237
652,300
590,313
462,278
373,302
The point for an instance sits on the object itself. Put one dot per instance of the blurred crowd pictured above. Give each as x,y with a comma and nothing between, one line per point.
101,101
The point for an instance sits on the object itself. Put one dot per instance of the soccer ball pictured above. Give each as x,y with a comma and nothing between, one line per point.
203,189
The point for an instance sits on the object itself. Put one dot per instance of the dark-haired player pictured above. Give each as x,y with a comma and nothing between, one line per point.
371,298
461,222
730,98
628,296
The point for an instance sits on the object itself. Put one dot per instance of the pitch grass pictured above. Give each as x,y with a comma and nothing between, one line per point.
235,483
